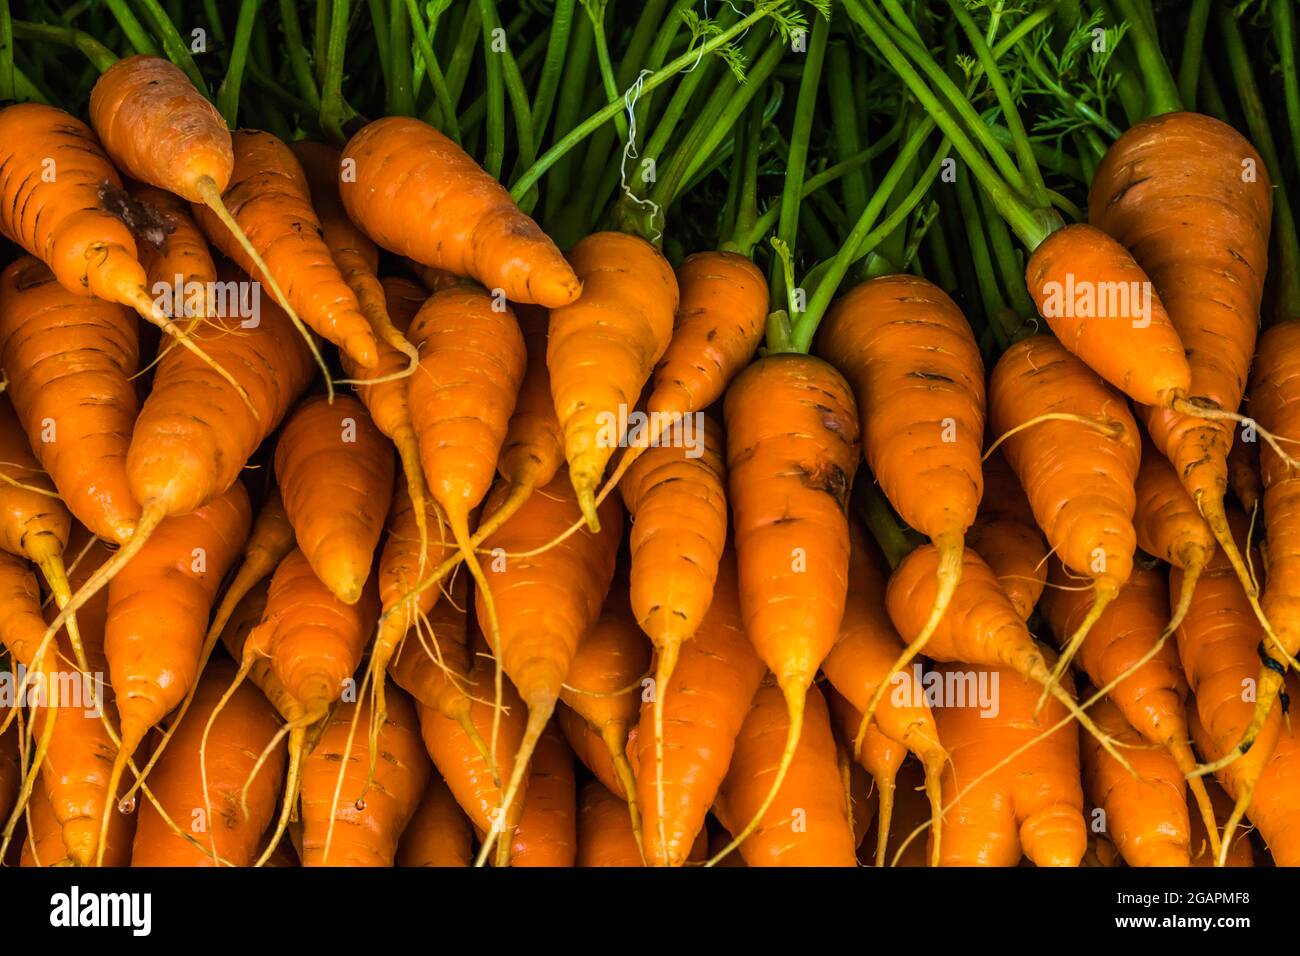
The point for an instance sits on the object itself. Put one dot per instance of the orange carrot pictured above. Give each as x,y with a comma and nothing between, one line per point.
604,685
547,832
911,811
605,836
1082,436
919,382
214,816
1031,803
179,265
70,362
592,752
808,823
862,658
602,348
43,845
418,194
1242,853
546,603
1243,474
879,756
1145,816
792,449
439,834
1007,538
367,831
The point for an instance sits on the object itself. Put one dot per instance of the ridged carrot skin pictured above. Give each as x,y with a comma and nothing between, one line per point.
182,257
61,219
239,734
1243,474
434,670
159,128
705,704
70,362
43,842
418,194
602,348
1242,853
439,834
34,522
533,450
807,824
1167,522
335,471
400,568
605,836
1146,816
919,381
1034,803
269,198
592,752
1139,354
720,321
879,756
1007,537
1173,190
1078,478
21,625
547,834
366,833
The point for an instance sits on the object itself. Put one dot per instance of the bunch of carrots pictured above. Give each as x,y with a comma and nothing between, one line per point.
832,433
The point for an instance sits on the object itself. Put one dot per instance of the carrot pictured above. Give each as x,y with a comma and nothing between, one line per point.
678,505
1032,803
864,799
705,702
1094,445
1169,526
981,628
911,811
369,830
70,362
593,753
919,382
214,815
179,266
1243,474
602,348
604,686
439,834
193,435
547,832
792,449
336,478
467,770
1145,816
808,824
1006,536
64,219
355,255
862,658
471,365
21,625
1218,644
546,603
1172,190
1128,649
605,835
1241,854
11,773
418,194
270,202
879,756
43,845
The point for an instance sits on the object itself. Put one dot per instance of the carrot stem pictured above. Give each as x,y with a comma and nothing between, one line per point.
297,54
176,49
332,111
134,30
8,84
100,56
228,93
1189,69
1162,91
548,79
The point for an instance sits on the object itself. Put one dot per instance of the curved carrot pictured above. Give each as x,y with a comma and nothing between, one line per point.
545,602
439,834
808,823
70,360
547,832
366,832
1172,189
1243,474
605,836
336,478
243,730
705,703
880,757
862,659
179,267
604,685
792,449
43,844
911,811
270,202
1078,471
602,348
418,194
1006,536
1145,816
919,382
593,753
1032,803
1242,853
55,188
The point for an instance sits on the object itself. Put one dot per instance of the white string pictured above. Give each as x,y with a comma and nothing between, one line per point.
630,97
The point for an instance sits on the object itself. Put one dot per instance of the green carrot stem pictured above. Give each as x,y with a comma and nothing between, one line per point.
228,93
467,42
100,56
751,145
572,86
845,133
981,256
177,50
495,150
1162,91
548,82
332,110
8,81
401,95
297,54
1211,98
514,83
424,43
1189,68
1284,31
1009,264
132,28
